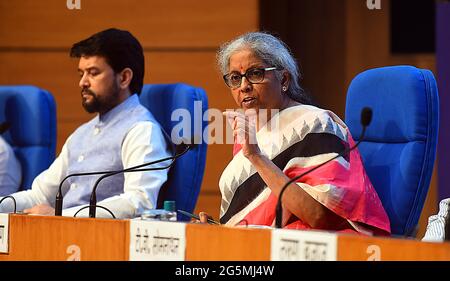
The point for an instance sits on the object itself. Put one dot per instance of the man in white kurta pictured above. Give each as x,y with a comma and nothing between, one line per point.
123,134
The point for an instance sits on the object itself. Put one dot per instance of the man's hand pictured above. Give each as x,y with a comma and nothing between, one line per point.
41,209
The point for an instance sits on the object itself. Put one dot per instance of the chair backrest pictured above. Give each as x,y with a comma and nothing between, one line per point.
173,105
31,113
399,148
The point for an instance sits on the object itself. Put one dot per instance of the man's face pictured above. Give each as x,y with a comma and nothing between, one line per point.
99,84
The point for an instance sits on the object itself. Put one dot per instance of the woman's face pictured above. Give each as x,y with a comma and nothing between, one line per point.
264,95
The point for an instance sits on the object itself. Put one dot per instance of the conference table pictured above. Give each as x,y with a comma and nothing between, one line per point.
49,238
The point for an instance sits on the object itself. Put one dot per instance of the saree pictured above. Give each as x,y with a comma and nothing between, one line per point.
303,137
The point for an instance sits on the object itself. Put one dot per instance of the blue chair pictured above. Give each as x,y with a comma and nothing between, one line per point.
399,148
31,114
185,177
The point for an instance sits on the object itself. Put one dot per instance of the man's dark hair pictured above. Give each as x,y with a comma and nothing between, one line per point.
120,49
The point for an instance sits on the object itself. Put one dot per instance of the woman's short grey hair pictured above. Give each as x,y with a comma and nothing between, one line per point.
271,51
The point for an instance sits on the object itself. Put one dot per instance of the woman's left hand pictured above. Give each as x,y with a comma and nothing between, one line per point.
244,131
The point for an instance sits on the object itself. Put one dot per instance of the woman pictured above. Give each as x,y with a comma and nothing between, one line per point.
262,74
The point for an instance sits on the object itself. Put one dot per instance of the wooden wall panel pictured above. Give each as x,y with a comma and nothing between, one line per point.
367,38
157,23
179,37
53,71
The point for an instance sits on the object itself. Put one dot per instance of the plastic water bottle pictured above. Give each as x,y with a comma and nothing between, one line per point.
171,213
166,214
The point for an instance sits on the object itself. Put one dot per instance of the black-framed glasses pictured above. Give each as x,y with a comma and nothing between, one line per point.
253,75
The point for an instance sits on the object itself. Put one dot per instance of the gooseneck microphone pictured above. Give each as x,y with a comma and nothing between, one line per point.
366,118
59,196
184,148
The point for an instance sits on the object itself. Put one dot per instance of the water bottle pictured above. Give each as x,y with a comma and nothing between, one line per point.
171,213
166,214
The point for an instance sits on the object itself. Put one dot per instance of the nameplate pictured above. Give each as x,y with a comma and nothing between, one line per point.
157,241
298,245
4,226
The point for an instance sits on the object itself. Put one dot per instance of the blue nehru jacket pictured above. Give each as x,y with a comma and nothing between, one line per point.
97,146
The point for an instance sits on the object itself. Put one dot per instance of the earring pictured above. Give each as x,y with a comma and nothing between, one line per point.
284,88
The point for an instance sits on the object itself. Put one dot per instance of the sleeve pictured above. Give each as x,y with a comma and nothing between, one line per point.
436,224
44,187
321,140
320,143
143,143
341,185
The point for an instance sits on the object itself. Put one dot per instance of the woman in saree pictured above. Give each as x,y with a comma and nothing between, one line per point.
263,77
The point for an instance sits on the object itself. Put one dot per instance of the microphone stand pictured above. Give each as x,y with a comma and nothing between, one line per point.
93,199
59,196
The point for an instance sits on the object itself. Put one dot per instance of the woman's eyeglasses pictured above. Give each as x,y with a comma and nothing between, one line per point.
253,75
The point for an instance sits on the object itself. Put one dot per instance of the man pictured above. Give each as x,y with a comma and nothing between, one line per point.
10,170
122,135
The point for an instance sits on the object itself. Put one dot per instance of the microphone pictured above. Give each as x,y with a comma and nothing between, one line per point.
59,196
366,118
181,149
